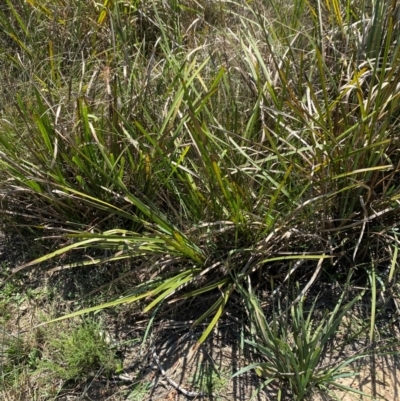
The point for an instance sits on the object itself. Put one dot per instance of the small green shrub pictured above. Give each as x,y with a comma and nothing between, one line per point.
77,352
40,360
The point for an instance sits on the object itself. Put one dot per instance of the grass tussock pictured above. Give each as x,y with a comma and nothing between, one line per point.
222,144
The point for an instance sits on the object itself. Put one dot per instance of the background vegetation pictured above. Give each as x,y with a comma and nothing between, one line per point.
228,150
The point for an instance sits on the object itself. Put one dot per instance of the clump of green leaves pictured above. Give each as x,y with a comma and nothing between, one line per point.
75,353
292,346
38,361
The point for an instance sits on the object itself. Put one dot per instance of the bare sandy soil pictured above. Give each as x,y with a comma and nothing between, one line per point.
379,378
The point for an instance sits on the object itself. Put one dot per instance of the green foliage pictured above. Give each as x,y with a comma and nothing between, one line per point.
17,356
209,142
75,353
36,360
209,380
16,353
139,392
292,347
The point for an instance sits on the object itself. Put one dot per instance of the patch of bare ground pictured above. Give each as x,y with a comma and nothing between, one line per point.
185,371
378,379
170,367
